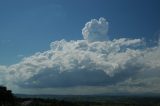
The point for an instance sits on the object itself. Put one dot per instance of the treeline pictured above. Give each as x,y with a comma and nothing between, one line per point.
41,102
112,102
8,99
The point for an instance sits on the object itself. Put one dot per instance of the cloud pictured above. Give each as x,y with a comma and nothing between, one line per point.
118,65
95,30
77,63
3,71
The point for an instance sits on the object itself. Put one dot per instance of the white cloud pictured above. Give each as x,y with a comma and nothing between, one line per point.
95,30
75,60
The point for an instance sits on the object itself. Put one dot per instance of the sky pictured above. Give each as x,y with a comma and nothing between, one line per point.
80,46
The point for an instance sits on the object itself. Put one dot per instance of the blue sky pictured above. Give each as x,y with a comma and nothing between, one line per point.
28,26
80,46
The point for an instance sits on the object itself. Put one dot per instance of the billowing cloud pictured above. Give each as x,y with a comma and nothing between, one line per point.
76,63
117,65
95,30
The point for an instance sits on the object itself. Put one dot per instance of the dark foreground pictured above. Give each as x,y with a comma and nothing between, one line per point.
85,101
8,99
88,101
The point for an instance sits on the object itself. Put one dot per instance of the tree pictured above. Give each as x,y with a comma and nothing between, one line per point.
6,97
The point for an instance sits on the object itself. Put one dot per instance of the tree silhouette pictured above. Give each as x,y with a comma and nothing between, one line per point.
6,97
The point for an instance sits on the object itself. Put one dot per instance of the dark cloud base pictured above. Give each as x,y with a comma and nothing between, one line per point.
55,79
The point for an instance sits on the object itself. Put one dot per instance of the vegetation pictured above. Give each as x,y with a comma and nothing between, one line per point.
90,101
7,99
127,101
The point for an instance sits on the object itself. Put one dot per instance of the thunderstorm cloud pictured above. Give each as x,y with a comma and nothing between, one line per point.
124,64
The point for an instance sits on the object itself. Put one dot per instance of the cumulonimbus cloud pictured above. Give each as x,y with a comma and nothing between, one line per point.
88,62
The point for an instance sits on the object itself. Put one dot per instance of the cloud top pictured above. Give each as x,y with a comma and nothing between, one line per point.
95,30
